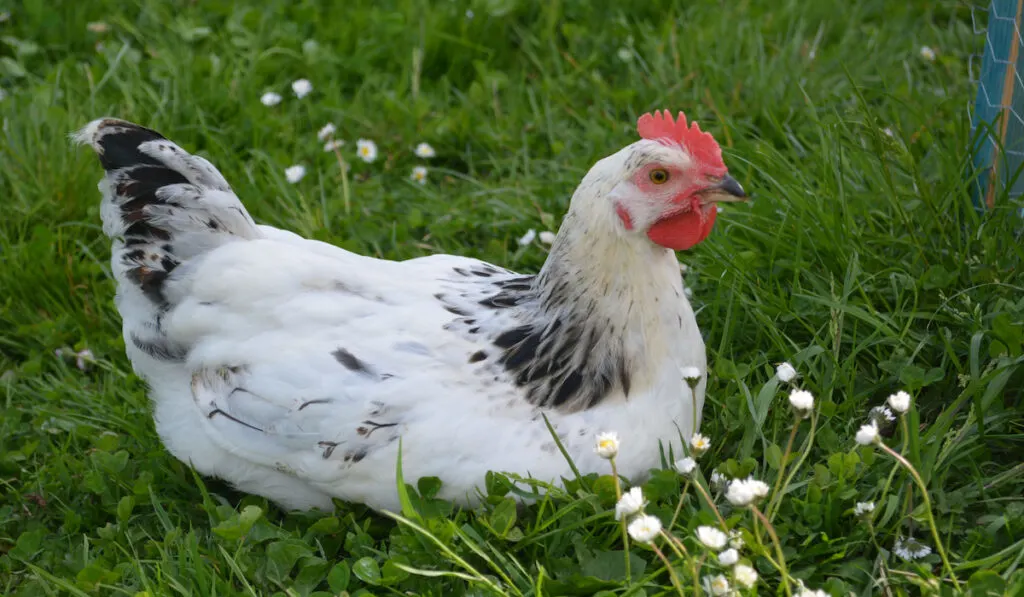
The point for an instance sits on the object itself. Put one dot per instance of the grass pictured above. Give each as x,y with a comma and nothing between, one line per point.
861,260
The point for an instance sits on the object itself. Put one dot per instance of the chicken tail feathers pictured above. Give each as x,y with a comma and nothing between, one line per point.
161,205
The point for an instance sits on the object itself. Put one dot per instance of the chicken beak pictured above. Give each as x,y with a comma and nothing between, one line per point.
728,190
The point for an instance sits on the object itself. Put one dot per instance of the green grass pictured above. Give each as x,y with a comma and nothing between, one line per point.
861,260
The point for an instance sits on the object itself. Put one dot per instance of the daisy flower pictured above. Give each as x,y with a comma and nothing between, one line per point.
911,549
744,492
927,53
607,445
419,174
716,585
644,528
711,537
690,374
863,508
629,504
802,402
546,237
333,144
735,540
294,173
881,415
785,372
867,434
745,576
367,150
805,592
685,466
528,237
718,480
270,98
728,557
326,131
302,88
699,444
424,150
899,402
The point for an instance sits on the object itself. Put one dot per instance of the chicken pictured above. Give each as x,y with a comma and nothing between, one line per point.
291,368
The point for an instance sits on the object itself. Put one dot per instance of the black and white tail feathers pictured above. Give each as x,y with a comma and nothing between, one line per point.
161,208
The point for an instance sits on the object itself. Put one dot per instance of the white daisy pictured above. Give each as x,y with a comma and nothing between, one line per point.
745,576
326,131
888,132
419,174
84,358
528,237
911,549
881,415
302,88
805,592
629,504
424,150
728,557
690,373
333,144
685,466
927,53
718,480
900,402
744,492
802,402
867,434
716,585
547,237
735,540
367,150
270,98
863,508
607,445
711,537
644,528
785,372
294,173
699,444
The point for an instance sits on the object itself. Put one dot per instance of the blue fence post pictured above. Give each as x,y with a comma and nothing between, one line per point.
997,126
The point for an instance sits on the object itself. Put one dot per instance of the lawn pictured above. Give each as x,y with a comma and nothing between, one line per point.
861,260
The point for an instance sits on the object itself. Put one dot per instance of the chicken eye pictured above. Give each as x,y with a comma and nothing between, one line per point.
659,176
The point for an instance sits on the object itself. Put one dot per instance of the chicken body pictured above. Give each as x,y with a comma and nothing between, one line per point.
291,368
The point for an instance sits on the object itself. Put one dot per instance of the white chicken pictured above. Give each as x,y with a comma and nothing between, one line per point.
291,368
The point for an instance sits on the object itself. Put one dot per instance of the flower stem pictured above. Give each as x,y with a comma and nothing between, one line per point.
693,404
684,554
777,503
778,548
622,523
671,572
927,507
782,466
679,506
707,498
892,473
344,178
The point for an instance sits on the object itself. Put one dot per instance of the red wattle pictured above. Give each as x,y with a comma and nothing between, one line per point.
682,231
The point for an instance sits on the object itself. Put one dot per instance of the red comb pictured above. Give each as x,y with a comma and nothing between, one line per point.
701,146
